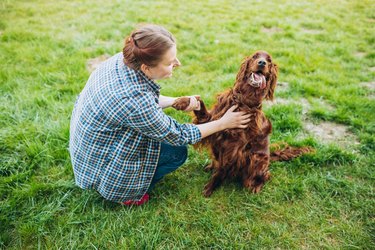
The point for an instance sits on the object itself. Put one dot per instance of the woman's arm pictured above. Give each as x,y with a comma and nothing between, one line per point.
142,114
166,101
229,120
191,102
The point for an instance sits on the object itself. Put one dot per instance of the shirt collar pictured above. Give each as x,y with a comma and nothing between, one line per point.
138,75
153,85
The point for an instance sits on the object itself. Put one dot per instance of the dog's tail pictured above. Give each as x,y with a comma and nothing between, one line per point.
288,152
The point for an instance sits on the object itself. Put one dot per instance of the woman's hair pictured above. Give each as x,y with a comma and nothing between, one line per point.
147,45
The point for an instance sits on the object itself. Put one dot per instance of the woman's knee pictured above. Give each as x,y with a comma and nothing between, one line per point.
171,159
182,154
172,155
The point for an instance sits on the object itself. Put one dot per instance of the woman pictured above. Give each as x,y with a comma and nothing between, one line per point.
121,142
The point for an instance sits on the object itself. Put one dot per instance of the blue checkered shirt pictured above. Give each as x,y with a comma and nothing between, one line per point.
116,131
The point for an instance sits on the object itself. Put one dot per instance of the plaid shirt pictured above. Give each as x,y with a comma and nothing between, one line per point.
116,131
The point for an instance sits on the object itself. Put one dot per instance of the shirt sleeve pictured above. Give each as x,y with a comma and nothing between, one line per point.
142,113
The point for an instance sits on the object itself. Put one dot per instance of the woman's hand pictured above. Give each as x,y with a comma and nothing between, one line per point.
233,119
194,103
187,103
230,119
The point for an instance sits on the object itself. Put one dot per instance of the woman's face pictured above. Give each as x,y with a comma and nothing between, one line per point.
165,67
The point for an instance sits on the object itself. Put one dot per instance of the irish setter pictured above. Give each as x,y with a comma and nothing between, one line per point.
243,154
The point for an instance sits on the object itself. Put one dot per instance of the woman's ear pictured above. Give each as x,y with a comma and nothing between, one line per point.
274,70
144,68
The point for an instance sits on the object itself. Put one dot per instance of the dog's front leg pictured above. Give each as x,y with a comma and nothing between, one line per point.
217,178
258,172
211,166
202,115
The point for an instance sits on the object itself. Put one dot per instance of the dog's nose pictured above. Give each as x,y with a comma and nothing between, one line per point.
262,63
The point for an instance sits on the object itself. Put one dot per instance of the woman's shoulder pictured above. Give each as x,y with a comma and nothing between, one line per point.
114,79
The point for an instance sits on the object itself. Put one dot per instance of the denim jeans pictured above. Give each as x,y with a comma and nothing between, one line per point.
170,158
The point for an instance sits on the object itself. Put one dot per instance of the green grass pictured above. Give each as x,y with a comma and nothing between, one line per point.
324,49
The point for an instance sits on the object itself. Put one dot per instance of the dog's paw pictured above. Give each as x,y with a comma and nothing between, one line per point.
208,168
208,189
207,193
267,175
256,189
181,103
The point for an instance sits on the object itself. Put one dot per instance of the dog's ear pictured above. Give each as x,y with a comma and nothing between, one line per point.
272,81
243,74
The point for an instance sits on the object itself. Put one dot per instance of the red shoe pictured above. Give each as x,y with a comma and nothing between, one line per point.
143,200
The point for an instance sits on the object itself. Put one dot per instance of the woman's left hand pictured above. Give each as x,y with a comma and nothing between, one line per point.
187,103
194,103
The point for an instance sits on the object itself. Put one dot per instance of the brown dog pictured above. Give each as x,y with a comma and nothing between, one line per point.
243,153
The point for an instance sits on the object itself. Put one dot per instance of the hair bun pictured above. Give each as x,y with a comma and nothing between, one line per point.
132,41
147,45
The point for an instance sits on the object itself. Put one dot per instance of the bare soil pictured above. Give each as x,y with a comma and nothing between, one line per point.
93,63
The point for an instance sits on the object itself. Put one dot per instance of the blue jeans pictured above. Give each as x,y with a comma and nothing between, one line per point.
170,158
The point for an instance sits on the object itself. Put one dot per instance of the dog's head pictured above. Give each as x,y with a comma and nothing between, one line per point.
257,76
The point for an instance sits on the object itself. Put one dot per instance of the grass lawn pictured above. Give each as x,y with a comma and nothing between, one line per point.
326,54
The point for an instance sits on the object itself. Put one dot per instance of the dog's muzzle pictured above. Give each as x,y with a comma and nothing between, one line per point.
258,80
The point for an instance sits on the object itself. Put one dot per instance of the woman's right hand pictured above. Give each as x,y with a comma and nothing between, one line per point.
233,119
229,120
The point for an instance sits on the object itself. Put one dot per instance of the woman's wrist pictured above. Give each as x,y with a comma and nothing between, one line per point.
221,124
210,128
166,101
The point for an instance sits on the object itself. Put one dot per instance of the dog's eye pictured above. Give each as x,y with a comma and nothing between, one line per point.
255,56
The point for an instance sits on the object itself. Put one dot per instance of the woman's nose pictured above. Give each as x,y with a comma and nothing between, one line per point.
177,63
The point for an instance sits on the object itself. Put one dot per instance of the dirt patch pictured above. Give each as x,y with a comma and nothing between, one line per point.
93,63
271,30
369,85
303,102
282,86
360,54
325,132
329,132
306,106
324,104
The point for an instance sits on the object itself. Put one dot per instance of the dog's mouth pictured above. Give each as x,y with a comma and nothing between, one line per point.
258,80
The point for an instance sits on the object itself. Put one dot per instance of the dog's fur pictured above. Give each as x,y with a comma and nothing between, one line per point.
243,153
